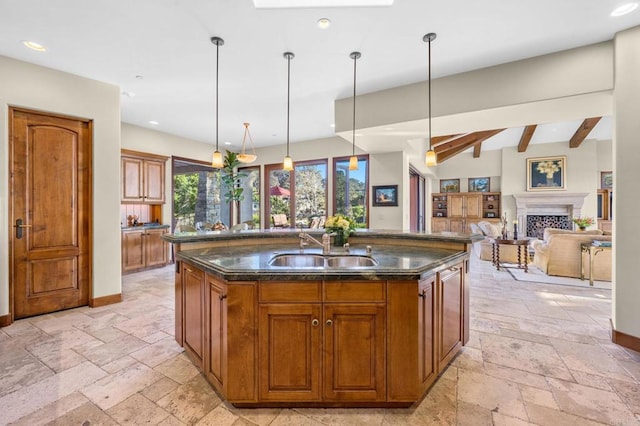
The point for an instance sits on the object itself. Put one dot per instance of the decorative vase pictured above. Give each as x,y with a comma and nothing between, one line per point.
339,239
582,228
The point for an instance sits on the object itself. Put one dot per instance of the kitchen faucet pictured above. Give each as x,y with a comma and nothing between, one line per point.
305,239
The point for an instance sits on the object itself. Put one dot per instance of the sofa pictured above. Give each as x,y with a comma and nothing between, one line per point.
559,253
484,248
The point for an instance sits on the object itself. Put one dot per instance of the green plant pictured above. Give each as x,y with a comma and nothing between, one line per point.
231,178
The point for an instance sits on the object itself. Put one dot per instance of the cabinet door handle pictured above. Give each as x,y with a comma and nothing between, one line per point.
189,270
315,322
421,294
329,323
222,296
19,227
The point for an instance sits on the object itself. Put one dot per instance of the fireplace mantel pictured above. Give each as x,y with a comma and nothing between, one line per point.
548,203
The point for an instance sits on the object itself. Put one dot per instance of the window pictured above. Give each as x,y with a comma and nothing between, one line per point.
310,191
196,194
351,188
278,198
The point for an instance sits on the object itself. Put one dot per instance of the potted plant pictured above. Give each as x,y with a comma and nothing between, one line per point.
582,222
342,226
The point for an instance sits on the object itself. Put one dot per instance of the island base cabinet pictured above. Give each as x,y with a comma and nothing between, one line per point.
290,338
354,348
450,309
193,313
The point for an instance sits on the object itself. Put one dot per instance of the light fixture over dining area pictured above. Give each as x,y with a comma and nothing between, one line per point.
287,164
353,161
430,157
243,157
216,161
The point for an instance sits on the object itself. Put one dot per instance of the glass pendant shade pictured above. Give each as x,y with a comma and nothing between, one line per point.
430,159
287,164
243,157
216,161
353,163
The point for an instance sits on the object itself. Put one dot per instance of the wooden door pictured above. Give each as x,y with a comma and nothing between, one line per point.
450,295
457,225
456,205
473,206
153,182
439,225
155,248
354,348
193,312
50,212
132,172
427,366
290,352
215,333
133,250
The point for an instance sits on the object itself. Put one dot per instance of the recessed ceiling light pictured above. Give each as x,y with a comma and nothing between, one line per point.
34,46
324,23
624,9
227,143
154,122
332,125
140,77
128,94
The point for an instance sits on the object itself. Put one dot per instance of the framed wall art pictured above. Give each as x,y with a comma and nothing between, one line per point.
479,184
385,195
546,173
606,180
449,185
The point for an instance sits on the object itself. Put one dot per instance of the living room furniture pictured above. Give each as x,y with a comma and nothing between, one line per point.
591,249
484,248
560,253
522,246
455,212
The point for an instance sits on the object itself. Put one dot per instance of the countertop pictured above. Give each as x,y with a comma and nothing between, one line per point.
145,226
251,263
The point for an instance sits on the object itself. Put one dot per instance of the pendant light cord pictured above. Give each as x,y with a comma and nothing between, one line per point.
217,70
288,96
429,77
353,132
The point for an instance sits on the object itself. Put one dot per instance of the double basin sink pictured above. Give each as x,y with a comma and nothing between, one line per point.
308,260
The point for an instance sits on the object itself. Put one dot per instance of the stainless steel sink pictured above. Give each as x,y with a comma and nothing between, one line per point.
298,260
350,261
303,260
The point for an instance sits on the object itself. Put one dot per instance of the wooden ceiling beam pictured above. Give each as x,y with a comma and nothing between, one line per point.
527,134
476,150
465,139
583,131
469,142
439,140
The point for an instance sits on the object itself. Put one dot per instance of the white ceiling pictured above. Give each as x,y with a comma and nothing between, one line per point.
167,43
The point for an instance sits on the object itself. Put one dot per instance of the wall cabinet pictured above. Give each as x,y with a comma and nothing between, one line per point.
143,249
143,177
455,212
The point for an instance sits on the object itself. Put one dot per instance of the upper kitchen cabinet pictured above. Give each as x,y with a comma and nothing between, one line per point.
143,177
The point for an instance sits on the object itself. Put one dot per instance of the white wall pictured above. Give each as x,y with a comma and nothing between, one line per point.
31,86
626,161
390,169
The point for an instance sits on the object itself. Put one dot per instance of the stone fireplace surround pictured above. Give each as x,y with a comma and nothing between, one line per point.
547,203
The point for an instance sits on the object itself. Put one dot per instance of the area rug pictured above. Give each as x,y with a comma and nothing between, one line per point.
536,275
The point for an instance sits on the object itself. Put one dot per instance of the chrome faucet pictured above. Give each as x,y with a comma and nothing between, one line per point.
305,239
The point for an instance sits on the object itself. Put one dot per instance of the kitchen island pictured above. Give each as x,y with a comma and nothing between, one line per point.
271,324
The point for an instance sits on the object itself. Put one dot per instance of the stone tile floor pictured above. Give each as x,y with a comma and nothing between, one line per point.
539,354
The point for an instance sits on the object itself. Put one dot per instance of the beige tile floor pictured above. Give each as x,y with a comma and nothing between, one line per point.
539,354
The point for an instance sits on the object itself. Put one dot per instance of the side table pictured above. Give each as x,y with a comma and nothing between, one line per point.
591,249
523,254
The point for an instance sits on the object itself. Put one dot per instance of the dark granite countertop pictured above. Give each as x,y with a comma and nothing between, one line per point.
250,263
145,226
189,237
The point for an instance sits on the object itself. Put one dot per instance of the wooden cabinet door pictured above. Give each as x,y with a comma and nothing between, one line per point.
473,206
155,247
450,301
439,225
456,205
290,360
427,366
354,350
153,182
133,252
132,178
215,331
457,225
193,312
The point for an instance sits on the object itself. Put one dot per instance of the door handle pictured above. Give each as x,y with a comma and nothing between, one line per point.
19,227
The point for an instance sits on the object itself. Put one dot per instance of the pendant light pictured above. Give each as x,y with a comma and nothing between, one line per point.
243,157
288,162
430,158
217,161
353,161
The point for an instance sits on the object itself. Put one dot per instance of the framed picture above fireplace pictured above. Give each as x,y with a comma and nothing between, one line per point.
547,173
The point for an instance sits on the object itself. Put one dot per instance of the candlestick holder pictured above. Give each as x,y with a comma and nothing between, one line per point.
515,231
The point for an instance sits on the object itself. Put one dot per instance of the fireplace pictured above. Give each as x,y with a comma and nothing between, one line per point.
536,224
547,210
